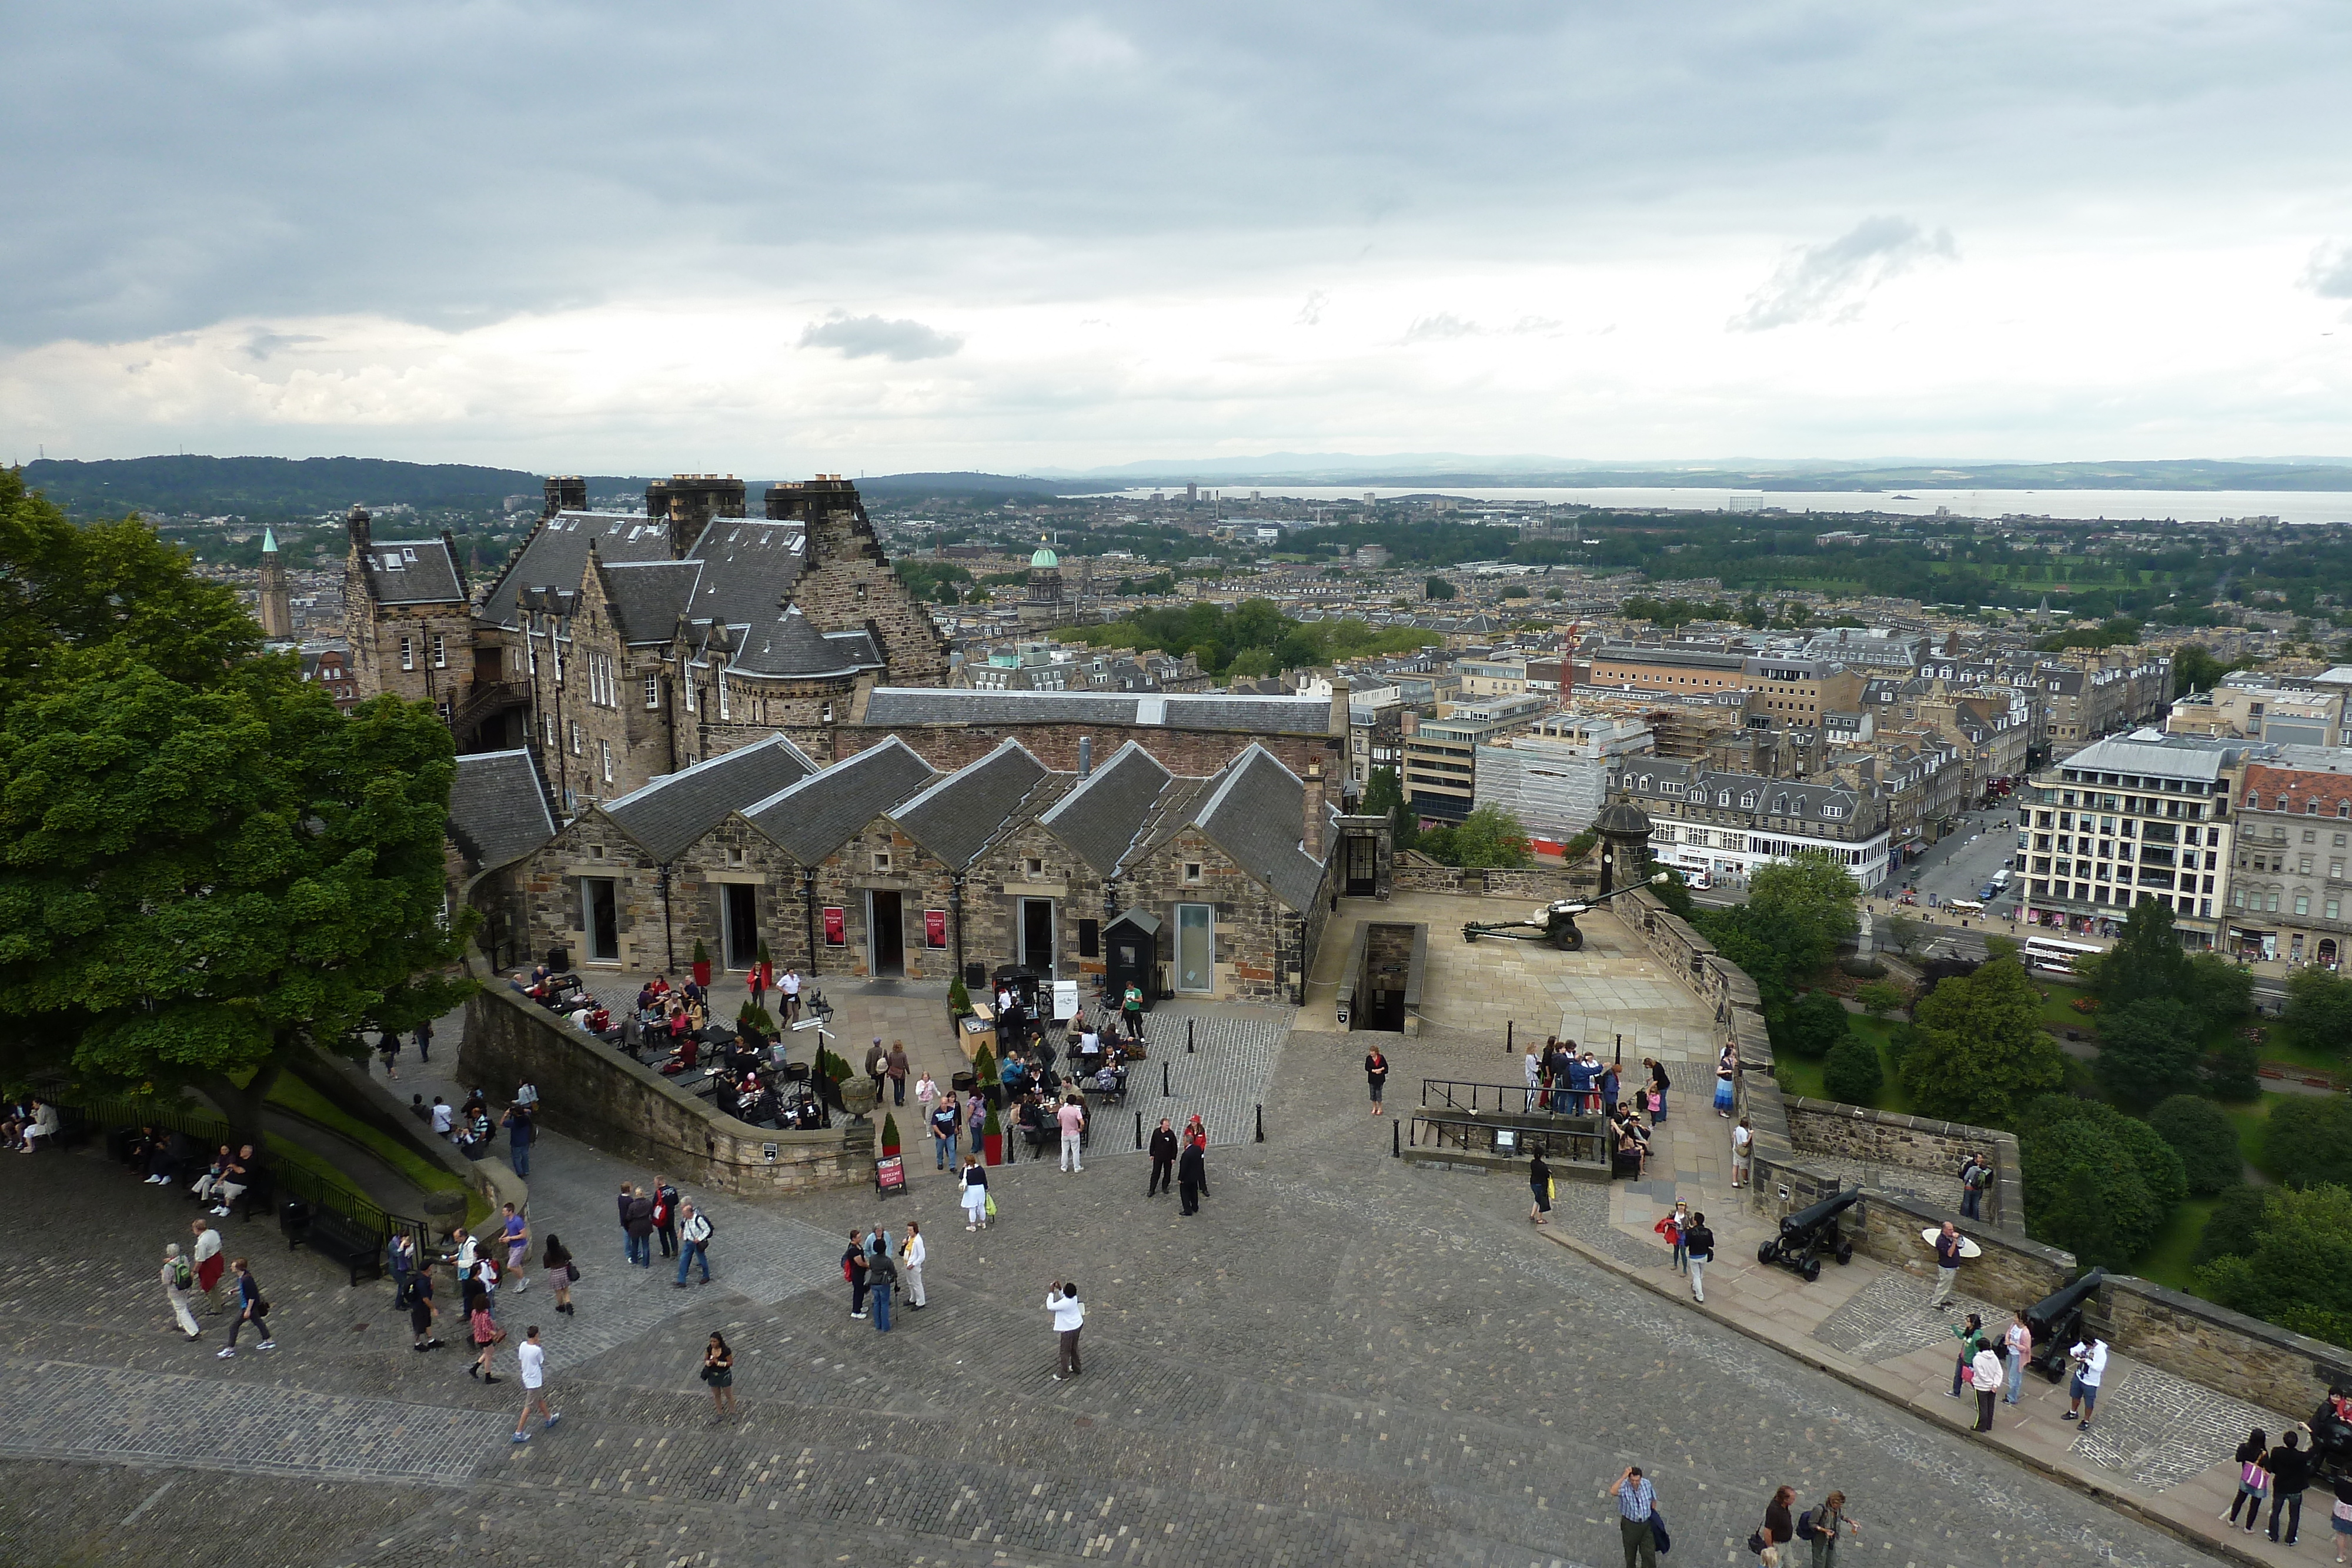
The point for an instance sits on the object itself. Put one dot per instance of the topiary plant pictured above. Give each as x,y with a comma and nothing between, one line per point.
1852,1072
701,953
983,1067
958,998
890,1135
753,1016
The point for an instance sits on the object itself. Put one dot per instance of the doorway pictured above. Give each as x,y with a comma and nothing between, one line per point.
743,923
1362,872
1037,936
599,920
1196,948
885,933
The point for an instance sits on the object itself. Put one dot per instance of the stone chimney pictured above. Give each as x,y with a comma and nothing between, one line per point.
1085,756
565,493
356,523
1311,837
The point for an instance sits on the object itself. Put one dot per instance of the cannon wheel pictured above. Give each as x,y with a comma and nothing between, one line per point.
1470,934
1767,1251
1812,1270
1844,1253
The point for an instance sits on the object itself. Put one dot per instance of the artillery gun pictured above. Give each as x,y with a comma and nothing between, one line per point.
1808,1233
1553,923
2056,1322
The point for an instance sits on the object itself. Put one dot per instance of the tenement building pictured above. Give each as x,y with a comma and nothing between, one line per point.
1726,824
2288,891
2144,815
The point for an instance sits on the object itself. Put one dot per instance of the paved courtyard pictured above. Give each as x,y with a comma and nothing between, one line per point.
1342,1358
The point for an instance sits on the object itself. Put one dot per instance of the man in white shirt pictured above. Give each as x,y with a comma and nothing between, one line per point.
528,1093
790,989
1069,1317
2090,1366
1073,1118
531,1357
442,1116
1743,1144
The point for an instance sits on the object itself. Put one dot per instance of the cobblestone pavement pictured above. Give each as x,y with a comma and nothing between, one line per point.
1340,1359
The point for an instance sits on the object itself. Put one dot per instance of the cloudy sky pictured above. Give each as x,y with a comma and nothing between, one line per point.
770,237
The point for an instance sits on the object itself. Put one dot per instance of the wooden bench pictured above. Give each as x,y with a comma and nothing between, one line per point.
344,1240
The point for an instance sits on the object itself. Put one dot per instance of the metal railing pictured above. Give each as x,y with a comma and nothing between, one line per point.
1498,1099
1564,1145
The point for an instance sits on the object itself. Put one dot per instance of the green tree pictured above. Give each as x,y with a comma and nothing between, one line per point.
1384,797
1903,934
2146,1050
1438,844
2236,1219
1852,1072
1491,836
2195,669
1810,900
1811,1027
2205,1140
1251,665
205,881
2219,993
2130,1179
1982,1050
2146,963
2297,1271
2319,1009
2310,1140
1879,998
1437,587
1673,892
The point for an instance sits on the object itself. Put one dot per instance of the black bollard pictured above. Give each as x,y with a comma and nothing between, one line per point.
1187,1037
1261,1124
1164,1089
1138,1129
1396,1141
1509,1026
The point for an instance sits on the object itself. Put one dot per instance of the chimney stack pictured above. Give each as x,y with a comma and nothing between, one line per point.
1311,838
1085,756
356,523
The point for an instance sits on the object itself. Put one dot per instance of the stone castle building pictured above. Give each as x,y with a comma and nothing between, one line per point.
619,648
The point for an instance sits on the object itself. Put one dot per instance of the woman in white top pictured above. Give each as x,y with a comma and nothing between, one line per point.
912,1252
975,1195
1985,1374
2019,1340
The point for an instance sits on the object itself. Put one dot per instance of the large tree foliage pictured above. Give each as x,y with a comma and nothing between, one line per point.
2147,1050
2293,1267
204,868
2206,1141
1980,1051
1795,916
2319,1009
2096,1183
2310,1140
1487,837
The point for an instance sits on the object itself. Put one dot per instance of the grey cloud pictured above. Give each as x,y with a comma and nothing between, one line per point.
1443,324
1311,313
2329,276
261,345
1830,281
864,336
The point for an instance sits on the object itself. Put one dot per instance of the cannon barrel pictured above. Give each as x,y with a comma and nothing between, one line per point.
2053,1311
1820,1214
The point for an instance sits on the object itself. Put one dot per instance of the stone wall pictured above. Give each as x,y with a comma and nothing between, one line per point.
1914,1143
604,1099
2194,1339
2013,1271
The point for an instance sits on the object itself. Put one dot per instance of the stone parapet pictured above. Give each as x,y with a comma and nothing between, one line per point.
1914,1143
2012,1271
2258,1362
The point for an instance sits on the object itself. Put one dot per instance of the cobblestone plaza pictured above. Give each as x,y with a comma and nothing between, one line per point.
1342,1358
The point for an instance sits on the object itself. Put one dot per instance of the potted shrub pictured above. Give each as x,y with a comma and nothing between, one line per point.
889,1136
983,1076
991,1137
701,965
958,1000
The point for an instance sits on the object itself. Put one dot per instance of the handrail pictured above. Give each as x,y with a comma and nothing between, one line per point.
1489,1099
1471,1134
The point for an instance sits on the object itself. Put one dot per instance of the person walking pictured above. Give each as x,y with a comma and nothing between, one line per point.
179,1279
1637,1500
2253,1459
1699,1242
637,1219
853,1268
1779,1526
719,1372
896,1066
530,1363
694,1230
2342,1513
519,1133
516,1232
1163,1159
666,1215
387,1046
946,1120
882,1276
1726,1070
1948,1267
2018,1340
628,1247
1822,1525
1192,1174
210,1263
416,1297
926,1094
1743,1151
425,1042
485,1332
1540,1183
1073,1119
972,1186
1675,1227
1972,1335
252,1307
2090,1360
555,1262
878,1066
1376,1074
1987,1369
790,991
2290,1469
1069,1317
911,1254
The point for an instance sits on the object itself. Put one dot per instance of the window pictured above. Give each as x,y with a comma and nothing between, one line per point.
595,851
440,651
882,860
652,691
605,747
722,695
688,683
1193,872
734,855
576,737
548,722
2309,837
827,716
1196,947
1033,868
2334,905
2303,904
1089,940
407,653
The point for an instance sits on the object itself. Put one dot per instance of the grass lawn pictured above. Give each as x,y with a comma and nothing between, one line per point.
2167,1261
2275,1047
2253,1124
291,1093
1804,1078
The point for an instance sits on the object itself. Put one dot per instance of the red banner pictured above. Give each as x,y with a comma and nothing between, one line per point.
935,928
836,926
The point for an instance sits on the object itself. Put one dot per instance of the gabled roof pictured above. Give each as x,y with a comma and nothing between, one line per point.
498,808
1257,815
649,596
1103,816
676,808
556,555
787,644
750,564
957,817
812,818
412,572
1285,714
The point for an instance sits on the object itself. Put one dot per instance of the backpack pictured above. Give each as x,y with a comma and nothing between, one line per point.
182,1277
1806,1530
1980,1178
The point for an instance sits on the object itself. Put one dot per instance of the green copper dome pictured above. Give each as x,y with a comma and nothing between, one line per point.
1044,557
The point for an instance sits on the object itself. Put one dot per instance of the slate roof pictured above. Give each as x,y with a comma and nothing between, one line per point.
1103,817
647,597
498,808
957,817
1257,815
556,555
676,808
1251,716
749,564
812,818
412,572
787,644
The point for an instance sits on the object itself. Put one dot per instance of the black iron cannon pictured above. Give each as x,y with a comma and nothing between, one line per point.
2056,1321
1553,923
1811,1233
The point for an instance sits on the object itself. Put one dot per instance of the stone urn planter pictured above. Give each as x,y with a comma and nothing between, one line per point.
859,1096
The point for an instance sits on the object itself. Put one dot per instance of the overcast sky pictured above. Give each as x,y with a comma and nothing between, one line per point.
764,237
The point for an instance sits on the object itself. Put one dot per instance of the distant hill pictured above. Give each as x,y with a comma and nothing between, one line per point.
1443,470
974,484
271,487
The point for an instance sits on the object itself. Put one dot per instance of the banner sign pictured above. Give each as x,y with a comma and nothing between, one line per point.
935,928
891,1175
836,926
